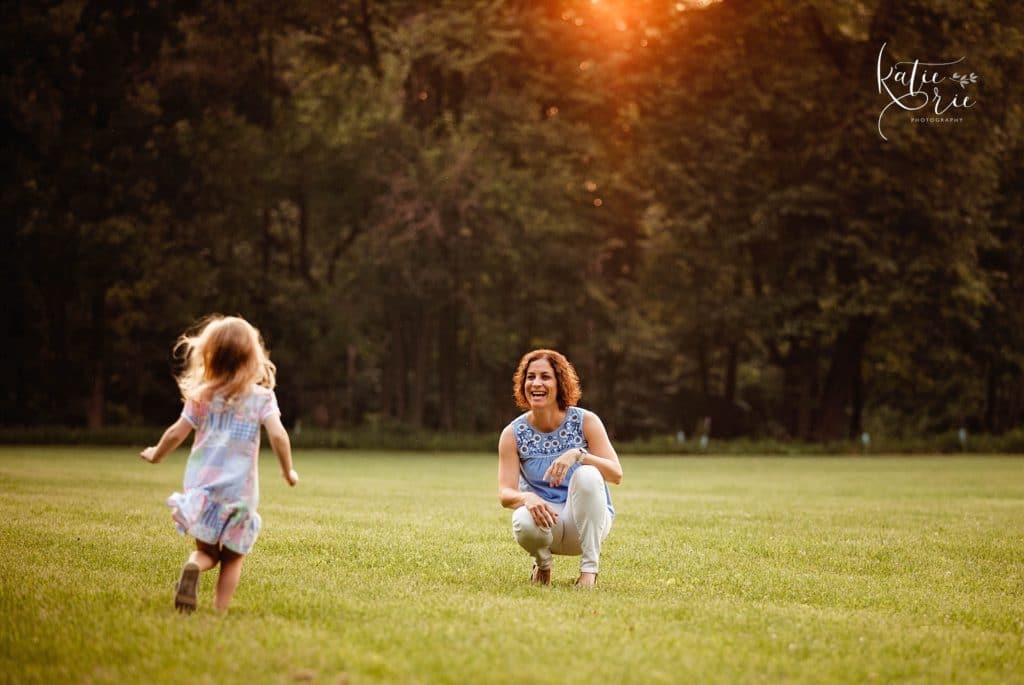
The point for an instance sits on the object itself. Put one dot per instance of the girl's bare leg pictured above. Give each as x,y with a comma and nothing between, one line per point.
227,581
206,555
202,559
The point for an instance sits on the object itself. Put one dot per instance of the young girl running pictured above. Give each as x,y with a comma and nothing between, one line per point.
228,388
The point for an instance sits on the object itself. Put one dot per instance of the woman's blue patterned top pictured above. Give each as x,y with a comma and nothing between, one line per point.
537,450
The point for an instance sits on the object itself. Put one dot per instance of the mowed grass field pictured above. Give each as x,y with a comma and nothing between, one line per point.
401,568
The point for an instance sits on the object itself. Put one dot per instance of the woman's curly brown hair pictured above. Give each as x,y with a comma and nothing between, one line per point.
568,382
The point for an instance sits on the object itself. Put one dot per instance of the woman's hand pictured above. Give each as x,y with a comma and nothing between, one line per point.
291,476
149,454
560,466
543,515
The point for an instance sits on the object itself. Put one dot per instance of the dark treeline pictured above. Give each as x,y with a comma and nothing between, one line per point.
693,202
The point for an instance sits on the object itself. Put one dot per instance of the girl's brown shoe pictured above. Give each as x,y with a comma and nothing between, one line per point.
540,576
188,584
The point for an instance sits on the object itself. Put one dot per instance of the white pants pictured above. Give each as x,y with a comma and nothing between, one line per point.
583,524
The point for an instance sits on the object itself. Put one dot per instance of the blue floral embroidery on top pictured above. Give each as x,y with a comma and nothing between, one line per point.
532,443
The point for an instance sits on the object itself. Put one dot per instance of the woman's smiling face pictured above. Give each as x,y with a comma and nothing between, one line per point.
541,385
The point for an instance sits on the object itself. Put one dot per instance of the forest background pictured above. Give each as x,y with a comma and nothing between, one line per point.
693,200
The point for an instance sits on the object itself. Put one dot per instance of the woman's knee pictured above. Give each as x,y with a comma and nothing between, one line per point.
588,479
526,529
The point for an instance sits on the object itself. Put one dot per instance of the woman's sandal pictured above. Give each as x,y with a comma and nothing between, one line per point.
594,584
188,584
540,576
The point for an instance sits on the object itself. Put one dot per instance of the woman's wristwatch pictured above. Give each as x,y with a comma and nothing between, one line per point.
579,457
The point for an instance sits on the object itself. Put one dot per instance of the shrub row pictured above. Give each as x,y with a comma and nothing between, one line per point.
398,438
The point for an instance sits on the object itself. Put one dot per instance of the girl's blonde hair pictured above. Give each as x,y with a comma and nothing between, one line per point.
224,356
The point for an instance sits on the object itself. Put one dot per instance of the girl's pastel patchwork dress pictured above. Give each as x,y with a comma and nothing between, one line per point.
222,477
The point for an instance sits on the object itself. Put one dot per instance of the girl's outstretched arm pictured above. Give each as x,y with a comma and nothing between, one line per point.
282,447
169,442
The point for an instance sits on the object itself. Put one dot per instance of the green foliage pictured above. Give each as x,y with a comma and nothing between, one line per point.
390,436
689,199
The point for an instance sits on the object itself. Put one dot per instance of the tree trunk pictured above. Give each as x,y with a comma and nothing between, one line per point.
733,350
369,41
991,398
60,361
703,370
857,402
732,363
1013,414
448,363
302,200
97,351
799,380
834,418
14,339
421,354
397,370
94,408
351,414
265,245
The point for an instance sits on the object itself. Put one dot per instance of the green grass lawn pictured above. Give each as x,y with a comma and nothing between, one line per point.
402,569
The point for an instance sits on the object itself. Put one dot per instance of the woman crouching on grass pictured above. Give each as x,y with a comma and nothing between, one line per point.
228,388
553,465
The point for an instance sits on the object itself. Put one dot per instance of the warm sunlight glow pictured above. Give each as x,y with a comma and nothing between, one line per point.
610,18
692,4
621,26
